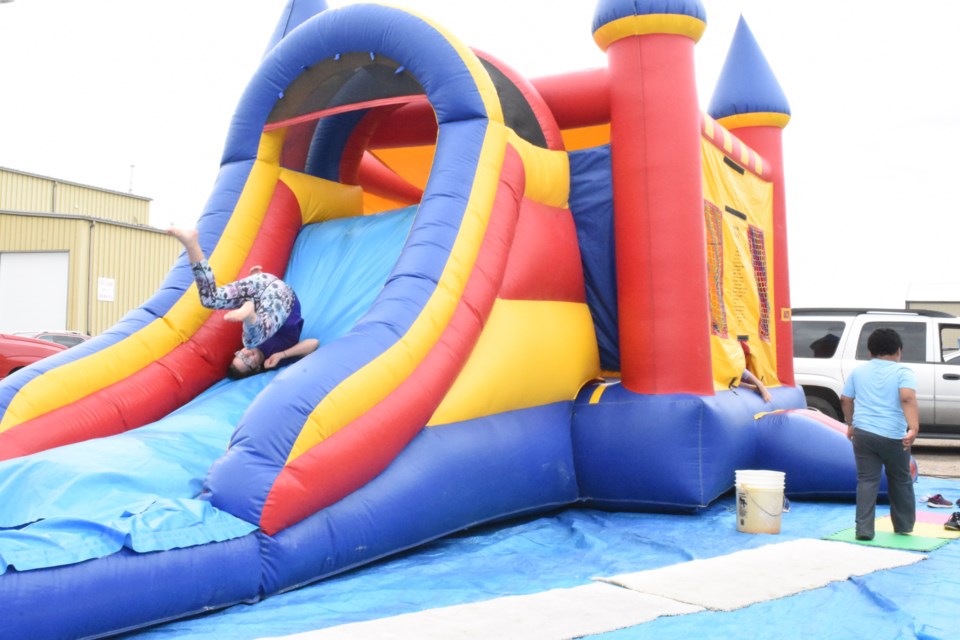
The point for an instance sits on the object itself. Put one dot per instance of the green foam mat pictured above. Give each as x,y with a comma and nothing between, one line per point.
891,540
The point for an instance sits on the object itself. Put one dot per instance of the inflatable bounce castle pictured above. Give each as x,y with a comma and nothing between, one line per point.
529,295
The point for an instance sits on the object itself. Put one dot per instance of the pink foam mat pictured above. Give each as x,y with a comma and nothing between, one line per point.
933,517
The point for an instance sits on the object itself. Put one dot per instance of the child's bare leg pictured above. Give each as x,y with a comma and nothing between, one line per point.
189,239
243,314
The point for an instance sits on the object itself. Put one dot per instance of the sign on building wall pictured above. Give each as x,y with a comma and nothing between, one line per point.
106,289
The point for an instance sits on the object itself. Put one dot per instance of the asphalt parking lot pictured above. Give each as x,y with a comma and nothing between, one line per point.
938,458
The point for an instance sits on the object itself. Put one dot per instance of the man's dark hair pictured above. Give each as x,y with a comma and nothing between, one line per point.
884,342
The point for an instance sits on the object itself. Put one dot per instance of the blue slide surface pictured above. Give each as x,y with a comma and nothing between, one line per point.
141,489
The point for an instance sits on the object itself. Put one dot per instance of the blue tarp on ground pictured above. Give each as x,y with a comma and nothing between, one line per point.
568,548
136,490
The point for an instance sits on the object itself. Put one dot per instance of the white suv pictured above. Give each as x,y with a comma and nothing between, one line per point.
830,343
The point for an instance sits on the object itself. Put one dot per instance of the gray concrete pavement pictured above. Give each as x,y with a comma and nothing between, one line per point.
938,458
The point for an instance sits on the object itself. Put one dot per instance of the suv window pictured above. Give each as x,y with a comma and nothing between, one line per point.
950,343
816,338
913,334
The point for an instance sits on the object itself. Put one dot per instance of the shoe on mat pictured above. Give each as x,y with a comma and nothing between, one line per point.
863,537
953,524
939,502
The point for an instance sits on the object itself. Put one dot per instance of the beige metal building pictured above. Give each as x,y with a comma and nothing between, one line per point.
75,257
936,296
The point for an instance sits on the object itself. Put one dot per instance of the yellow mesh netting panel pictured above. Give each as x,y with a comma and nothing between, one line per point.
738,217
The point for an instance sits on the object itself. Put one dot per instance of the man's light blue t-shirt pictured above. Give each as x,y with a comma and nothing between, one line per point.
875,387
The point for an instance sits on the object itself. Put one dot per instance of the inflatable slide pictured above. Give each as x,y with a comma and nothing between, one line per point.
519,307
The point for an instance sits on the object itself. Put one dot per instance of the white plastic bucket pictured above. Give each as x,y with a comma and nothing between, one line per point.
759,500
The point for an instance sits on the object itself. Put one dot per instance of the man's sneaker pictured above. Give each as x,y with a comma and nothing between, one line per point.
939,502
953,524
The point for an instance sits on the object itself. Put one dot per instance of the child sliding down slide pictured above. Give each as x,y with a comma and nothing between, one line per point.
266,305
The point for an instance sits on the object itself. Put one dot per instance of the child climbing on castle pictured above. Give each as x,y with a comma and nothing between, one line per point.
266,305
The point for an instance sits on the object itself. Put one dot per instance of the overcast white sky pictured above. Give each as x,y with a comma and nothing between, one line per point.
91,88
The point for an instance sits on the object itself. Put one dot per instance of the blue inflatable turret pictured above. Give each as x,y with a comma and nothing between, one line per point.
747,84
294,14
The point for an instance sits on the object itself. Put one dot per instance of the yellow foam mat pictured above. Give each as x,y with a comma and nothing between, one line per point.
926,529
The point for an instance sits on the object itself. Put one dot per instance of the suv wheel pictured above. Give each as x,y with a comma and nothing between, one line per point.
823,406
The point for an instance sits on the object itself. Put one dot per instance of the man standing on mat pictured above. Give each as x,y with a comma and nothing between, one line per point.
879,404
265,304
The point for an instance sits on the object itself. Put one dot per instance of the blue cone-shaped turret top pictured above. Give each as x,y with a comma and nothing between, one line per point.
610,10
747,84
294,14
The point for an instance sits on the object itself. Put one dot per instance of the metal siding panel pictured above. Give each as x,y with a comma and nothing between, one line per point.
116,207
26,233
137,260
19,192
30,193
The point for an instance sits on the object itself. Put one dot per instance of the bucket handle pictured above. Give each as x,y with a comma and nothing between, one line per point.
759,506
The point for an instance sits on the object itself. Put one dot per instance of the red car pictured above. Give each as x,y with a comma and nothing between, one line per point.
17,352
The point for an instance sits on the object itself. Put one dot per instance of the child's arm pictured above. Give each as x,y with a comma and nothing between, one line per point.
302,348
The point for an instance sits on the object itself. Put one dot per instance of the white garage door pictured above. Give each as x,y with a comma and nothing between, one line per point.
33,291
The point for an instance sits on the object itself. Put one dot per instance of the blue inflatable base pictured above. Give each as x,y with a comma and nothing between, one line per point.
671,453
